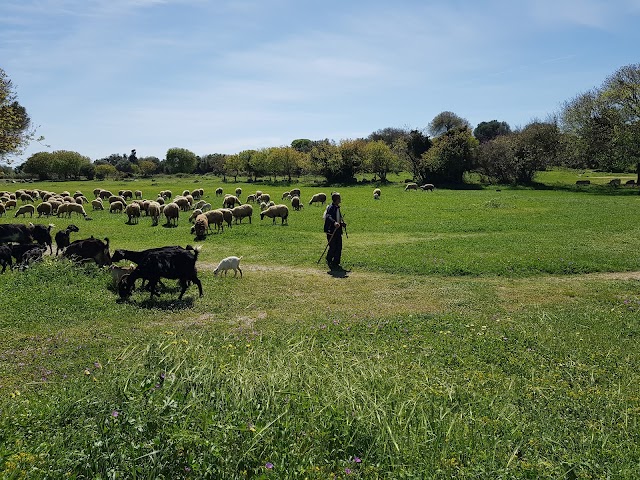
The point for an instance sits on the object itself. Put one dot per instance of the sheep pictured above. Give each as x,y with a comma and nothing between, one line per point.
185,193
45,209
117,198
117,272
376,196
63,238
411,186
116,207
265,197
227,215
10,204
251,198
97,204
194,214
296,203
229,263
219,192
215,217
275,211
96,191
138,194
82,199
24,209
318,198
133,212
286,195
154,212
258,195
126,194
197,194
25,197
263,206
206,207
172,212
77,208
241,212
295,192
427,186
201,226
160,200
2,209
230,201
199,204
105,194
182,203
377,193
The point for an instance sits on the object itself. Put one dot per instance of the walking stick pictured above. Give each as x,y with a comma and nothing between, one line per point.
328,243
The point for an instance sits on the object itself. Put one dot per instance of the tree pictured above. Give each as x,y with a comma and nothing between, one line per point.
284,161
233,165
445,121
451,155
497,160
15,131
351,160
536,147
380,159
180,160
302,145
212,162
486,131
39,164
147,168
410,150
68,164
105,170
389,135
324,159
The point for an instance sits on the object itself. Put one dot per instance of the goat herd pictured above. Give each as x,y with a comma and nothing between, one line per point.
28,243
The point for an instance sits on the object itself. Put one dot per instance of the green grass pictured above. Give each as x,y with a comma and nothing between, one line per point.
482,334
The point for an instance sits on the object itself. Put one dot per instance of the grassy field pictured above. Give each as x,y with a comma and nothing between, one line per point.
487,333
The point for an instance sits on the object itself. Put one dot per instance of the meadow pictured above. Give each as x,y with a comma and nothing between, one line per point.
481,333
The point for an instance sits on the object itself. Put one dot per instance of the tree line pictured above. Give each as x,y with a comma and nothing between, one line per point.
596,129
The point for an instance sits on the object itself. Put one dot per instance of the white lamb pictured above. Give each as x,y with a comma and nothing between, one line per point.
229,263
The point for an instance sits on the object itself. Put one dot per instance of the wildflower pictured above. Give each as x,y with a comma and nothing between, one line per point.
252,427
357,460
97,365
347,471
87,372
115,414
268,465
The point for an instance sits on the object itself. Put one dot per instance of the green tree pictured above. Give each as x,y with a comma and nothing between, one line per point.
325,159
497,160
284,161
389,135
180,160
451,155
537,147
486,131
410,149
351,160
233,165
68,164
445,121
15,131
147,167
105,170
212,162
380,159
39,164
302,145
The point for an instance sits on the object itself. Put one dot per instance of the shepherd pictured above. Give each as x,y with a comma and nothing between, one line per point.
334,225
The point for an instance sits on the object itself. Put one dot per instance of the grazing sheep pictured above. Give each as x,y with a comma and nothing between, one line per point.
318,198
251,199
219,192
10,204
286,195
154,212
194,214
258,195
227,215
206,207
265,197
25,197
172,212
276,211
77,208
116,207
199,204
182,203
215,217
2,209
201,226
45,209
138,194
105,194
117,272
296,203
263,206
230,201
295,192
133,212
160,200
96,191
377,193
82,199
411,186
229,263
427,186
185,193
242,211
63,239
97,204
117,198
24,209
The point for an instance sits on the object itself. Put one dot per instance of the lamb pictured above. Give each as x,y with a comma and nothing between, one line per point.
318,198
219,192
138,194
63,238
427,186
275,211
172,212
24,209
229,263
133,212
411,186
97,204
154,212
45,209
251,198
201,226
241,212
296,203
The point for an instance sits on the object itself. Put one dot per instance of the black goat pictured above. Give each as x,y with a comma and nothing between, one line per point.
175,263
5,257
63,239
89,249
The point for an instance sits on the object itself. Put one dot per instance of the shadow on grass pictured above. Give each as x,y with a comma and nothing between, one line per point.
608,190
154,303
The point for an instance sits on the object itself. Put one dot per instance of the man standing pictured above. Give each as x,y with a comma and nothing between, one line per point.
333,227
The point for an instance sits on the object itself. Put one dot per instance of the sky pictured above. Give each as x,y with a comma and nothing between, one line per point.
108,76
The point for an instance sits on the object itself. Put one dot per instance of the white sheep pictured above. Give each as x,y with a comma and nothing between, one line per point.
318,198
229,263
411,186
276,211
227,215
238,192
296,203
242,211
295,192
133,212
28,208
77,208
154,212
215,217
206,207
201,226
219,191
114,207
45,209
194,214
377,193
427,186
172,212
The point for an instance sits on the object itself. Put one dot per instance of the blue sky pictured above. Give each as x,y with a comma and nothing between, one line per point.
106,76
